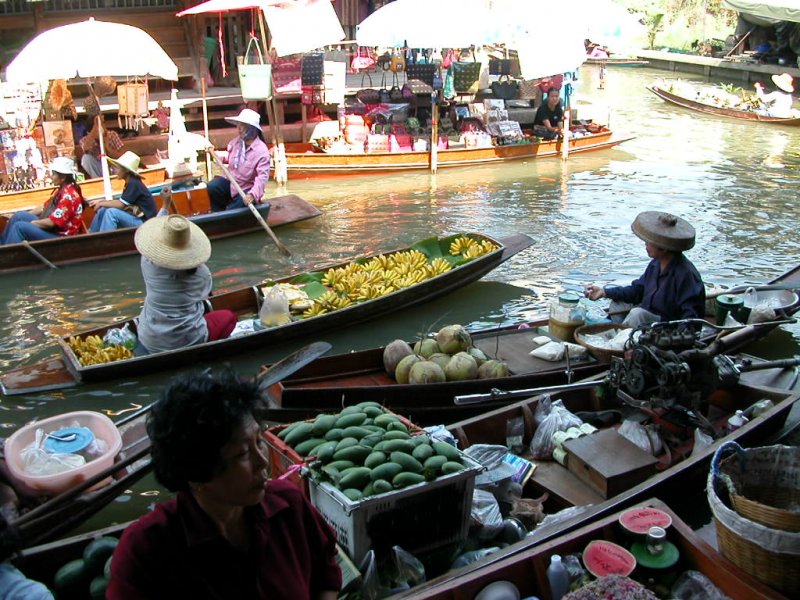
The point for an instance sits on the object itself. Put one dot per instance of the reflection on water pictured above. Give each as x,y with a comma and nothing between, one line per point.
735,181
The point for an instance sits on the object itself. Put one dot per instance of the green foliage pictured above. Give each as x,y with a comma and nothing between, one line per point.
653,24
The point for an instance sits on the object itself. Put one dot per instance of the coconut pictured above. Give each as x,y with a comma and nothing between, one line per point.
394,353
425,348
453,339
478,355
462,366
440,358
493,369
426,371
404,366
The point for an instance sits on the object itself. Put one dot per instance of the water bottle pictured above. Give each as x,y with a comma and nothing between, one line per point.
558,577
736,421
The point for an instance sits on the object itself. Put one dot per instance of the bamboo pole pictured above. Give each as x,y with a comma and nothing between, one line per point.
205,123
281,168
434,149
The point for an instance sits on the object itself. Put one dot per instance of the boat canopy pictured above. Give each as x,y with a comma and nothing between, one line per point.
766,12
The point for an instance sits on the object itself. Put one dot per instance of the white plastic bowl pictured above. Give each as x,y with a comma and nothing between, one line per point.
103,429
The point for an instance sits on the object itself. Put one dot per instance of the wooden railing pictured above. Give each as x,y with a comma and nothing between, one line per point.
79,5
15,7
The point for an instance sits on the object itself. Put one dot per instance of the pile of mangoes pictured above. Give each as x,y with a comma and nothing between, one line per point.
365,450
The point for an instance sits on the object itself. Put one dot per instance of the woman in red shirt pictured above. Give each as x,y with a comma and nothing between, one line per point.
60,215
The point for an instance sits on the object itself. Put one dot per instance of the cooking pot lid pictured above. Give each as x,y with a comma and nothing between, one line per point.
664,230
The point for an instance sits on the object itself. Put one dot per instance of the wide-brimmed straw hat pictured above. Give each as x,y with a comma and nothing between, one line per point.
664,230
63,165
173,242
784,81
128,161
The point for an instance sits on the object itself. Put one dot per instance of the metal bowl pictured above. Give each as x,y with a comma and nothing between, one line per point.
774,299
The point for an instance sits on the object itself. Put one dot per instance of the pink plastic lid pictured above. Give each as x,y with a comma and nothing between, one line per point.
640,520
606,558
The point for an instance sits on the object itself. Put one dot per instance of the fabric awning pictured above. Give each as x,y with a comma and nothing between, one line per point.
768,12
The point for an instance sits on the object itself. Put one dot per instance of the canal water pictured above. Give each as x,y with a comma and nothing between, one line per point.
736,182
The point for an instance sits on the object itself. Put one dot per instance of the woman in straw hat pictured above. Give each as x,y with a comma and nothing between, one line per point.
670,288
777,103
60,215
174,252
133,207
248,162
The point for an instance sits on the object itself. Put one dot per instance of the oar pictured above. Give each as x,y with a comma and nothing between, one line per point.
284,250
37,254
497,394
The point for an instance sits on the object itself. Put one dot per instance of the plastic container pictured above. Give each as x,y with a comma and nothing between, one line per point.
101,426
736,421
558,577
566,315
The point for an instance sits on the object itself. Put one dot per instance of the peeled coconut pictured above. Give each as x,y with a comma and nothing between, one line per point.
462,366
394,353
493,369
440,358
426,371
427,347
453,339
404,367
478,355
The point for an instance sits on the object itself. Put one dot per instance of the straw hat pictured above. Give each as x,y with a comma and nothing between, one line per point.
129,161
664,230
784,81
63,165
173,242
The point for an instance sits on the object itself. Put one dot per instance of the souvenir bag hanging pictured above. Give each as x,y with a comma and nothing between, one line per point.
255,77
505,89
420,77
383,93
397,63
313,69
286,74
368,95
395,93
466,76
312,94
362,61
133,97
500,66
529,89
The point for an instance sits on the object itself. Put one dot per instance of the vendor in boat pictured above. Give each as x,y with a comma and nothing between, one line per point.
670,288
547,123
133,207
777,103
177,282
248,161
61,215
229,532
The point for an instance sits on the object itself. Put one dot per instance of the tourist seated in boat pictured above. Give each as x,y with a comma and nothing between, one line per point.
230,532
61,215
547,123
779,102
248,161
133,207
670,288
177,283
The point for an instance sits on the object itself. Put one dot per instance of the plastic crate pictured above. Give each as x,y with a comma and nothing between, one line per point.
282,457
418,518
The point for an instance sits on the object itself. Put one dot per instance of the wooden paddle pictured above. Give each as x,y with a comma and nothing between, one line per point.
283,249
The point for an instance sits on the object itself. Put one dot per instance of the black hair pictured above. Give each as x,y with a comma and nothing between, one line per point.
193,420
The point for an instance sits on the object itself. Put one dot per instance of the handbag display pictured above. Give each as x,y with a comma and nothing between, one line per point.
312,94
362,61
286,74
466,76
368,95
255,78
505,90
529,88
421,77
499,66
397,64
313,69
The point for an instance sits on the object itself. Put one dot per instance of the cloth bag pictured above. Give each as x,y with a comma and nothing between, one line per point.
505,90
420,77
368,95
466,76
255,78
286,74
362,61
313,69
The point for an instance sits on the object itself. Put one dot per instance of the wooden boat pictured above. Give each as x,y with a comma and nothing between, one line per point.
194,203
65,370
27,199
617,61
37,519
527,570
306,160
710,109
331,382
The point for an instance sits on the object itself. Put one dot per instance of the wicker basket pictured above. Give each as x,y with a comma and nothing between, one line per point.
770,555
764,484
604,355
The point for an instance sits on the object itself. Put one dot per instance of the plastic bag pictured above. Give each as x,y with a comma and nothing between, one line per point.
554,351
371,587
515,432
693,585
543,408
38,461
121,336
559,419
635,432
275,308
408,569
472,556
701,442
486,512
529,511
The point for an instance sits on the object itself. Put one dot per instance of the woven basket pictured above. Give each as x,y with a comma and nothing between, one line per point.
764,484
770,555
603,355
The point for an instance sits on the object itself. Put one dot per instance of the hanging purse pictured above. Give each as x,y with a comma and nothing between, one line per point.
313,69
466,76
362,61
505,90
255,78
397,64
368,95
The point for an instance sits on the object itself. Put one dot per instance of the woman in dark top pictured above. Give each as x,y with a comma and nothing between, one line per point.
547,122
133,208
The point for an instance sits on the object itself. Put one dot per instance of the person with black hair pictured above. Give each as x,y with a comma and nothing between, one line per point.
229,532
547,122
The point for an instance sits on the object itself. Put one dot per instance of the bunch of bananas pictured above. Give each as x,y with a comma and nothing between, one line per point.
387,273
470,248
92,350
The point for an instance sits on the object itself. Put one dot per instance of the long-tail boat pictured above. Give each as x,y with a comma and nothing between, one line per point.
66,370
192,202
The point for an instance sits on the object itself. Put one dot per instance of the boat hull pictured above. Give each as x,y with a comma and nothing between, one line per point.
708,109
305,163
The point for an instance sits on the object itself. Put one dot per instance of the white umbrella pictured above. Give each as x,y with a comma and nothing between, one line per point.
91,49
